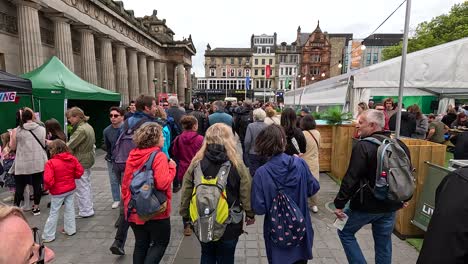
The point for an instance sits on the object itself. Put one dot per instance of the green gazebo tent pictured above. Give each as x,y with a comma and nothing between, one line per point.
56,88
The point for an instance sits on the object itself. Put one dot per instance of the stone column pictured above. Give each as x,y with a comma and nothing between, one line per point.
188,90
107,64
143,71
29,33
159,76
164,73
122,73
133,83
151,88
63,41
88,56
181,83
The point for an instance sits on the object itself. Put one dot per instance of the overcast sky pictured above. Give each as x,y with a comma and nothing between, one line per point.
230,24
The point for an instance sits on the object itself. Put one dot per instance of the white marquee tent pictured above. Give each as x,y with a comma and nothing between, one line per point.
439,71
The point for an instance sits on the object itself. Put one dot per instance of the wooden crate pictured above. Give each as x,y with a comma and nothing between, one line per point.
341,149
421,151
325,150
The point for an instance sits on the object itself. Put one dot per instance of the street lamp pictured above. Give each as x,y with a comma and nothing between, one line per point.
313,78
164,85
323,74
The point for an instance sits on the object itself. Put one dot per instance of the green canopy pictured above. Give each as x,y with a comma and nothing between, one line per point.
54,80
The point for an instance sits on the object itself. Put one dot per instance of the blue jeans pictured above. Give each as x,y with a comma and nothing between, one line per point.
114,182
220,252
382,227
68,216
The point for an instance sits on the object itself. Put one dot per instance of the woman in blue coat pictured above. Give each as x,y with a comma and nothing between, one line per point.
293,174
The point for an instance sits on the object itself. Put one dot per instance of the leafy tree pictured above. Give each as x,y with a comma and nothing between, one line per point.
439,30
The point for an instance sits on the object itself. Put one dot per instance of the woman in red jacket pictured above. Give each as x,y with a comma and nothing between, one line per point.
60,173
152,236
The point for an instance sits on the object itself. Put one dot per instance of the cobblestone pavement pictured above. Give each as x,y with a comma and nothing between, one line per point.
95,235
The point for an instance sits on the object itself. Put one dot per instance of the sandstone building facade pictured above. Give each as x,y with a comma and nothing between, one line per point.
100,41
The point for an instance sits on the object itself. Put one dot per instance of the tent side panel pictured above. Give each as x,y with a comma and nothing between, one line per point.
50,108
8,111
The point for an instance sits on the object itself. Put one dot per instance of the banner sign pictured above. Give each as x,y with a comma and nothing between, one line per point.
267,71
7,97
426,204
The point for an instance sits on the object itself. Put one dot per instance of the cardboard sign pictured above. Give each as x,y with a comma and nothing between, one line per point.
7,97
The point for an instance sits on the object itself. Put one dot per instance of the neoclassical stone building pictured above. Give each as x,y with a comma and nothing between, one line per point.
100,41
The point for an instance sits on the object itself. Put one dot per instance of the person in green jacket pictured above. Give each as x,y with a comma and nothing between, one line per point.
81,144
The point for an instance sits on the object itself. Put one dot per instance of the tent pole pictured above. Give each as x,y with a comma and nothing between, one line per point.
403,68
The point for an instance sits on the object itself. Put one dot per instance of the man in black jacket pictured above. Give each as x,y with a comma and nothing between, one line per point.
446,239
357,186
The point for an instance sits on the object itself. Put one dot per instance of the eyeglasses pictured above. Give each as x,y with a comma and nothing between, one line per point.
38,240
165,105
113,116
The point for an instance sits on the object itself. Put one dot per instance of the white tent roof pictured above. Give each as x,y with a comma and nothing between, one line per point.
440,70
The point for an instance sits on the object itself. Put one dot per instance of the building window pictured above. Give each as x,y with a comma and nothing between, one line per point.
247,60
268,50
232,60
376,58
283,58
316,58
368,58
256,61
281,71
259,49
239,72
263,72
281,85
247,73
239,61
224,60
224,72
263,61
271,61
2,62
256,72
212,60
315,71
212,72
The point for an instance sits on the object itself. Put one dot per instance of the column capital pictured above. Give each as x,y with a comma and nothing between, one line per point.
59,17
31,3
84,28
149,58
119,44
104,38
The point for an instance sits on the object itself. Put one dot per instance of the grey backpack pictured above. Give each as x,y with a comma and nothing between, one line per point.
394,178
209,209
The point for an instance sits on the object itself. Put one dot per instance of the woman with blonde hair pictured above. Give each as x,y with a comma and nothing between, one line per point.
271,117
219,149
81,144
151,236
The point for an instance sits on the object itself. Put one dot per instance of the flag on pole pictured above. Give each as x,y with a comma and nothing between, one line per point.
267,71
247,83
287,84
227,70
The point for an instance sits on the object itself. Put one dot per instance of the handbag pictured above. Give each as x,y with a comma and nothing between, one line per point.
295,144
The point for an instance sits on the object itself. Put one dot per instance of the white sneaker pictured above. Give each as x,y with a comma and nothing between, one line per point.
314,209
115,205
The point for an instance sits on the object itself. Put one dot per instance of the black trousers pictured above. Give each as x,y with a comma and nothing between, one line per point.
151,240
22,180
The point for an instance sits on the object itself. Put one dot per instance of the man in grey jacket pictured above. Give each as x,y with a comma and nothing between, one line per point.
253,129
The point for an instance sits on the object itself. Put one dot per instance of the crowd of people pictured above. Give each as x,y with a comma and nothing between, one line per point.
194,150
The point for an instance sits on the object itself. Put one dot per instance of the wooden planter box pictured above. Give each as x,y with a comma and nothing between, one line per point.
341,149
325,150
335,148
421,151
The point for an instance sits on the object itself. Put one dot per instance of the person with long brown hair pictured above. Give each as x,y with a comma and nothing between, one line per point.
54,130
219,147
292,176
422,123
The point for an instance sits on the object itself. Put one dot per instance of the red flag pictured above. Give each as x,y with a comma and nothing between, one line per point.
267,71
